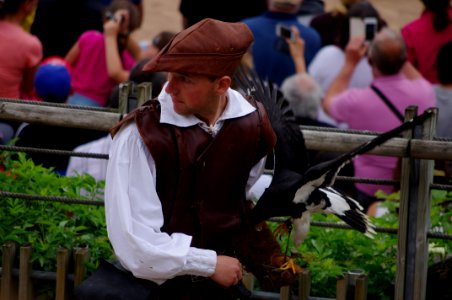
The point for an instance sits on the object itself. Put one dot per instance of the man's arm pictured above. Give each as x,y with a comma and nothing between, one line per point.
134,218
355,50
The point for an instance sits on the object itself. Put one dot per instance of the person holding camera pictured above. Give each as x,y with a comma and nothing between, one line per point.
380,106
100,61
270,51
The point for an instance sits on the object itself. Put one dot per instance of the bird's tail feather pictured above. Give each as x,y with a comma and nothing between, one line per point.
349,211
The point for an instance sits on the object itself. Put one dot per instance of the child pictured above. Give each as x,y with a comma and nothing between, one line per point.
100,61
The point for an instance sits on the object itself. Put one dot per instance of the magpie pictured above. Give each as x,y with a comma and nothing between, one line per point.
297,189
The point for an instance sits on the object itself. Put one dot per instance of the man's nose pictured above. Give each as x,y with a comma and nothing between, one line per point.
170,89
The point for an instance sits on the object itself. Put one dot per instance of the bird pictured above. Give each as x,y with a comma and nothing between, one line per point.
299,189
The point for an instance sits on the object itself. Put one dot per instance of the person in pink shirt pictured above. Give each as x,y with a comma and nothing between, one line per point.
20,51
425,35
364,109
100,61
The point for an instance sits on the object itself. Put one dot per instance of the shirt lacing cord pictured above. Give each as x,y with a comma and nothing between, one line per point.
211,129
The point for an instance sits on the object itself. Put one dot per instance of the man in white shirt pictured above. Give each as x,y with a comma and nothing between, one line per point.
180,169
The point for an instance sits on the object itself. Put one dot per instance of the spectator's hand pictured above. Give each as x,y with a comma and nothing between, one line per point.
296,47
355,50
228,271
118,23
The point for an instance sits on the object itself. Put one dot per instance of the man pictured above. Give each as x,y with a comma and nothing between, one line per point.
364,109
180,167
271,56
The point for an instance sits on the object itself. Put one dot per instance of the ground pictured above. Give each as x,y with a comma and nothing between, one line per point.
164,14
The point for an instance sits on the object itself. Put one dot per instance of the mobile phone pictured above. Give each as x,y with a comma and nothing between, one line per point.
356,27
284,31
370,25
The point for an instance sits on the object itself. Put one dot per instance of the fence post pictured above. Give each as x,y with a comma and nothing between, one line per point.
341,288
25,286
7,284
81,257
61,273
353,285
144,92
414,219
304,284
424,203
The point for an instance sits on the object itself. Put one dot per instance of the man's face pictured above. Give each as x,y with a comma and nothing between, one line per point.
191,94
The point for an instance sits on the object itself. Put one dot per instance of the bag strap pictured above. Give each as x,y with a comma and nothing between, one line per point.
387,102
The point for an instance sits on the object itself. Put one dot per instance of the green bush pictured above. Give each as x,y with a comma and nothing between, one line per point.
327,252
45,225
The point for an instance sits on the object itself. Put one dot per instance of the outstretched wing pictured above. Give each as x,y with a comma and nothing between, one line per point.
290,157
290,150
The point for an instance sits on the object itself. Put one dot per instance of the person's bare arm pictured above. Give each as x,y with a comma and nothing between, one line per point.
296,47
355,50
113,59
72,54
228,271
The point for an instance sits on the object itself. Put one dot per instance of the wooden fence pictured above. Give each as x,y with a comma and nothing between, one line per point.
418,149
18,283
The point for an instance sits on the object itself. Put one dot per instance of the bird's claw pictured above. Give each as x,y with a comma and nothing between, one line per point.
290,265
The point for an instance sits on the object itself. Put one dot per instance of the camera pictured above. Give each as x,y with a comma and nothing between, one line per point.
284,31
370,28
366,27
111,16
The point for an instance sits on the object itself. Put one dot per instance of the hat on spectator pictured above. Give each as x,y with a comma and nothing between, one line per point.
209,47
52,80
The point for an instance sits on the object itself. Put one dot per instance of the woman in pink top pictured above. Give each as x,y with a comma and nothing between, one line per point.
100,61
20,51
425,35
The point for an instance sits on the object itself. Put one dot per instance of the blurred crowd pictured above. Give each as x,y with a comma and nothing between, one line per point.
344,68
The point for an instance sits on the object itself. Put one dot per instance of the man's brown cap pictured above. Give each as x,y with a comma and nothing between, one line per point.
209,47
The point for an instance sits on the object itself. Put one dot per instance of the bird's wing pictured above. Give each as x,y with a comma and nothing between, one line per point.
290,154
290,150
329,200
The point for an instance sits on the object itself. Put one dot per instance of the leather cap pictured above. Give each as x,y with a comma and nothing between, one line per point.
209,47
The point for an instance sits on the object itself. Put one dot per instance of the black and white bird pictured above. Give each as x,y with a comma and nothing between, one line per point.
297,189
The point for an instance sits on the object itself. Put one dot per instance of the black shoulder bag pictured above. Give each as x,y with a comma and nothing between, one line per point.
396,172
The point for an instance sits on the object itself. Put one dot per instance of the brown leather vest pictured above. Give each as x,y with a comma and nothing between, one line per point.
201,179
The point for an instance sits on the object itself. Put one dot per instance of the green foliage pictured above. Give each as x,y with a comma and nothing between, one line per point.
329,252
45,225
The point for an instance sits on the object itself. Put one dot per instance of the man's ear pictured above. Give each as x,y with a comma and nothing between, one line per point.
223,84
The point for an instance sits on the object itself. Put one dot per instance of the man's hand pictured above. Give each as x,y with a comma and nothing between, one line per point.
355,50
228,271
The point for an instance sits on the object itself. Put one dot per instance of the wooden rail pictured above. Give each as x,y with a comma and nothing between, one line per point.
67,116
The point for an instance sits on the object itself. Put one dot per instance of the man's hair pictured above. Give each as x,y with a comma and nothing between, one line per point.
304,95
388,52
444,63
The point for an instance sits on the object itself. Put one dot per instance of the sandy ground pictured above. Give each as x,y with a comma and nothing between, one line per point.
164,14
